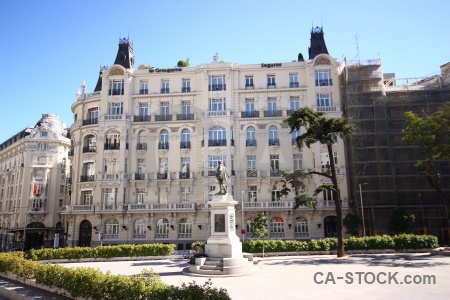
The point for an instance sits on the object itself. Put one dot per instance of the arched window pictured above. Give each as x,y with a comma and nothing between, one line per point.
251,137
111,228
139,229
185,139
90,144
301,227
277,227
164,139
184,229
273,136
162,229
217,136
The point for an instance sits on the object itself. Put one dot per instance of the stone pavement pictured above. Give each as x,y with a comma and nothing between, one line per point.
372,276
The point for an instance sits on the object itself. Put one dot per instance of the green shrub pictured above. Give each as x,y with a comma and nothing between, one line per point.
411,241
333,242
313,245
354,243
379,242
293,245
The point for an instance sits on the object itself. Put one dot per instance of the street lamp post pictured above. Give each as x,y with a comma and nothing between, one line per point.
242,214
362,208
24,225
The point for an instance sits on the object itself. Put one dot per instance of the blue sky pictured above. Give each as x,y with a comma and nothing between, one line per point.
50,46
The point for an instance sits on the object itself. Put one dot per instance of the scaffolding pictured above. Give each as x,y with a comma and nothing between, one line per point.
377,154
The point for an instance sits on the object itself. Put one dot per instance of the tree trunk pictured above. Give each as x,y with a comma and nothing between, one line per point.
338,205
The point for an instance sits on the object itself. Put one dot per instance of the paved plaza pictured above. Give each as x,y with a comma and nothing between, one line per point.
372,276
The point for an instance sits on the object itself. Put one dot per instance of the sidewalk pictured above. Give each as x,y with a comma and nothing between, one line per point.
372,276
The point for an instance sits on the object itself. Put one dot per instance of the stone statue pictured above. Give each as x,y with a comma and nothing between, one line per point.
222,176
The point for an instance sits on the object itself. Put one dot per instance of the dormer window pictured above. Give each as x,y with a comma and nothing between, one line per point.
44,134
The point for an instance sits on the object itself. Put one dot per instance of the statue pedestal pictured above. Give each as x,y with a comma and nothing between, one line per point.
223,242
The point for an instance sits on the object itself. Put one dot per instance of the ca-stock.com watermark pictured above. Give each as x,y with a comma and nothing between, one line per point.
373,278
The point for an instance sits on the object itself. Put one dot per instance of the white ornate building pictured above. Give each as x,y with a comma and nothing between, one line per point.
33,174
147,141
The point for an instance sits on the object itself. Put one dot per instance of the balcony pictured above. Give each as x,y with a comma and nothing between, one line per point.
249,114
270,205
185,145
36,210
252,173
293,84
274,142
185,116
111,208
86,178
141,146
184,175
110,236
138,236
217,87
273,113
143,91
163,145
110,176
89,149
112,146
215,143
165,91
250,143
299,235
290,111
162,175
186,90
336,108
89,122
140,176
275,173
169,207
324,82
163,117
142,118
271,85
250,86
116,92
218,113
185,235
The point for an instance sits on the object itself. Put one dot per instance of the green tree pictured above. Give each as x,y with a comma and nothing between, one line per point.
259,229
296,181
401,222
316,127
352,223
431,134
183,63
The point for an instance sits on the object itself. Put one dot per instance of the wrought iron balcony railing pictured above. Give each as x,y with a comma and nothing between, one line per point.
142,118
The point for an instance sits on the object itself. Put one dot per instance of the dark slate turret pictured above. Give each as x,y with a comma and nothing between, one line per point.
318,45
124,55
98,87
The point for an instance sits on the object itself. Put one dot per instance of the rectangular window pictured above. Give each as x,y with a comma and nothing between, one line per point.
42,146
249,106
328,195
116,108
272,105
217,83
213,160
185,165
143,89
324,100
109,196
217,105
111,166
143,109
270,81
86,197
186,86
163,165
165,109
293,80
164,86
185,191
248,81
274,162
298,164
295,104
44,134
335,157
93,115
323,77
116,87
276,194
141,165
61,189
140,196
252,193
186,108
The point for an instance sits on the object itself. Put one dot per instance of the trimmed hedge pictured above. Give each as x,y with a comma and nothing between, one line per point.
90,283
398,242
126,250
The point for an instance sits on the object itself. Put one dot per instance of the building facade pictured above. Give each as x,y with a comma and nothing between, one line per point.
146,143
382,172
34,167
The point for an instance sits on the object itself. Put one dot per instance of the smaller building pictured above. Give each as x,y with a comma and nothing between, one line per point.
33,172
